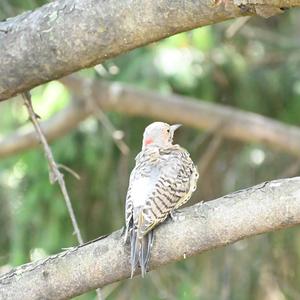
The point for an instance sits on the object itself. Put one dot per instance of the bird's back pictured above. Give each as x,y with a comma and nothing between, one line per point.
162,180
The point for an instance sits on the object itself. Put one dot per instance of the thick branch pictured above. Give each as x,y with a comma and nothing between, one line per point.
267,207
226,121
67,35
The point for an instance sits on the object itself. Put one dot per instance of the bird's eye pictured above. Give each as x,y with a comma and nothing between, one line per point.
168,130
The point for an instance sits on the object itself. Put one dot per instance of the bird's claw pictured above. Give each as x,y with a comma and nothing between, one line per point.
176,215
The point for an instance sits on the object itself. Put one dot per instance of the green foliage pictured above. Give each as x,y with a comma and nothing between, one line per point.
258,73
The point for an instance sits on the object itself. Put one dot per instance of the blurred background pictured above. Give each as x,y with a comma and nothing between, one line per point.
249,63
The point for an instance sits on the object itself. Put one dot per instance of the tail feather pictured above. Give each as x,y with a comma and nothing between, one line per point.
140,251
145,252
134,247
149,246
126,230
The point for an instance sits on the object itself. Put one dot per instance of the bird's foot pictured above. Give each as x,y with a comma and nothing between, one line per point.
172,215
201,209
177,215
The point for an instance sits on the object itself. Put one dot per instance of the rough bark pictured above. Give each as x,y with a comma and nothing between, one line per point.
226,121
266,8
67,35
266,207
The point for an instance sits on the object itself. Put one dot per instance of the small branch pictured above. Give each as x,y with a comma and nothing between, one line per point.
209,155
54,173
236,26
69,170
116,135
263,208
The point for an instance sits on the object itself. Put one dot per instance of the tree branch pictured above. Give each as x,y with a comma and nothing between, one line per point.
263,208
225,121
67,35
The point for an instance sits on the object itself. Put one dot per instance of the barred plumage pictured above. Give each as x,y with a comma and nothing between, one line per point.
163,179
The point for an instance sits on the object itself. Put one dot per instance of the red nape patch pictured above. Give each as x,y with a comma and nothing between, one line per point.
148,141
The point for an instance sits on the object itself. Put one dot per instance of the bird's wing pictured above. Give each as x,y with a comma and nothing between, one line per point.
174,186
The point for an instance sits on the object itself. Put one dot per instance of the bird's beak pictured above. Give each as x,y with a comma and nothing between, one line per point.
175,127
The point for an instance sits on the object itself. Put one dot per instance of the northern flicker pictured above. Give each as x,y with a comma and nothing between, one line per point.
163,179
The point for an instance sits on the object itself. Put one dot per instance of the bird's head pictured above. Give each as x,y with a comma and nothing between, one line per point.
159,134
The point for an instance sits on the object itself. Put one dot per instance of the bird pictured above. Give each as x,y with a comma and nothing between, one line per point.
163,179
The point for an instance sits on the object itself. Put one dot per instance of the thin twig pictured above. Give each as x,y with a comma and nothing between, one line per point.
117,135
236,26
54,173
209,154
69,170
